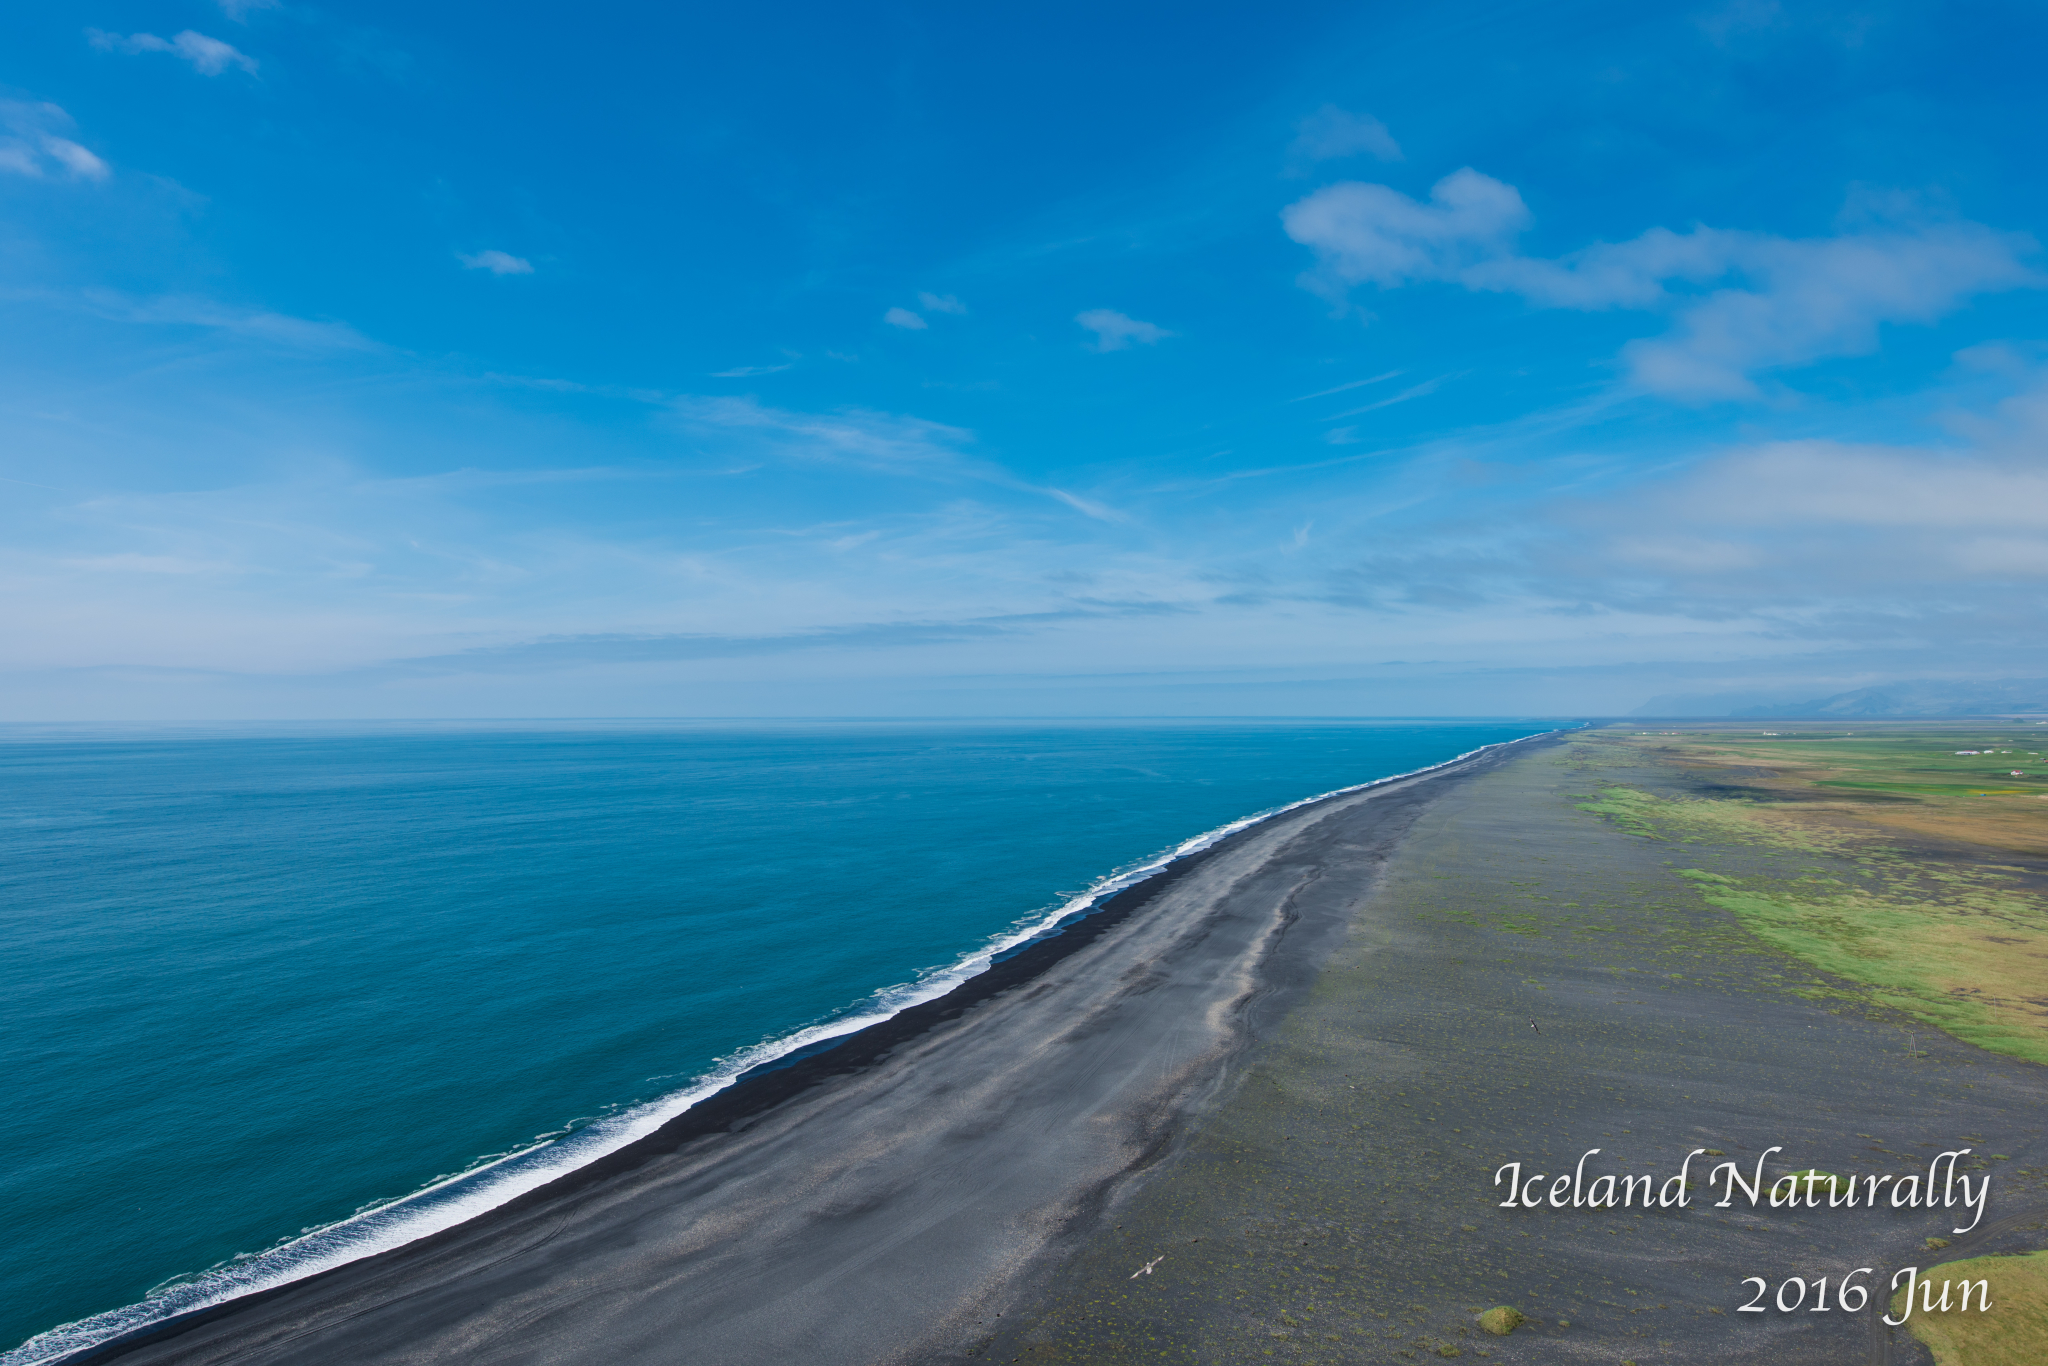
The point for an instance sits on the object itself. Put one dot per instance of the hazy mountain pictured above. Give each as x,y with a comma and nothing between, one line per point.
1924,697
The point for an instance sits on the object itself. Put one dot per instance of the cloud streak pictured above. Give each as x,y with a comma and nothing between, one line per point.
32,143
581,651
496,262
1428,386
1115,332
1342,388
208,56
881,442
252,324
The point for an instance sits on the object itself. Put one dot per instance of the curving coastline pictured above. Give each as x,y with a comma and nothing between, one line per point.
1210,911
1533,982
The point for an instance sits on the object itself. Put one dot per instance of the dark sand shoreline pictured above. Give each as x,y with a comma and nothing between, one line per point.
1528,981
885,1199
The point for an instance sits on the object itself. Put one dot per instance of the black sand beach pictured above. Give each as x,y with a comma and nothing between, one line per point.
886,1200
1280,1076
1528,982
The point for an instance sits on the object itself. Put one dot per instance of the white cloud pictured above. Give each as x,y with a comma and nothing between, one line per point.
749,371
208,56
1374,234
1115,332
496,262
903,317
1331,132
941,303
1821,483
1812,536
240,10
31,143
1825,298
1794,301
1613,274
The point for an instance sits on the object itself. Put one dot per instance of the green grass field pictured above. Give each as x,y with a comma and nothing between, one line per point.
1938,921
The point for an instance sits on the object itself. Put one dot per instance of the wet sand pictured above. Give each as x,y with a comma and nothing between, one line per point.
887,1200
1526,982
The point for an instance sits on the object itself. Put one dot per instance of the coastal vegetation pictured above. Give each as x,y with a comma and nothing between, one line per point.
2014,1332
1529,980
1924,893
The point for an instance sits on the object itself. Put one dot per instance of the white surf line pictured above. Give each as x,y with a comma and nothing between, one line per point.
459,1198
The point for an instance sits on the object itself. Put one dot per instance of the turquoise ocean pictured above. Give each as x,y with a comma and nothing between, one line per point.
271,998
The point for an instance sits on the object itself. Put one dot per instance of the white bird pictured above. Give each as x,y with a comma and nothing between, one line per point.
1146,1269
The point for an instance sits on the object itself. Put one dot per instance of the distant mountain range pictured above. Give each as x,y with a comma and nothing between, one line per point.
1923,698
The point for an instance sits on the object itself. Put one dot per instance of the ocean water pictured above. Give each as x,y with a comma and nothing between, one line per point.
254,983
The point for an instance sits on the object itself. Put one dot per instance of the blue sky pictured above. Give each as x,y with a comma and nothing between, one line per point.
381,360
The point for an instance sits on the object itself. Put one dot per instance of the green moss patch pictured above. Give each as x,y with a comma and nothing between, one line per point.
1501,1320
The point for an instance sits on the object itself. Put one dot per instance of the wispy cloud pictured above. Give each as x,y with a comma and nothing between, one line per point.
891,444
941,303
1101,512
1428,386
749,371
876,441
1813,544
1330,133
1115,332
149,564
496,262
904,318
1354,384
240,10
33,143
1798,301
573,651
253,324
208,56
